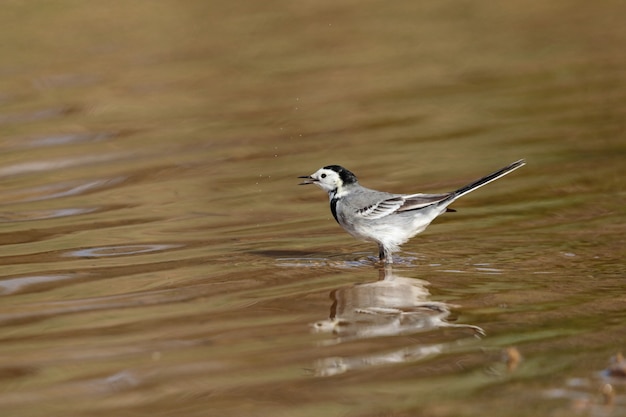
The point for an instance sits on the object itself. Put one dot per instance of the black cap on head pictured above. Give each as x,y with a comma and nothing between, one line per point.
346,176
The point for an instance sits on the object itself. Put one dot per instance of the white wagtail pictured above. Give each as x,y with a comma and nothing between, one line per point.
385,218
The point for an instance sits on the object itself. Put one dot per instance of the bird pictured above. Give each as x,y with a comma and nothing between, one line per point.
387,219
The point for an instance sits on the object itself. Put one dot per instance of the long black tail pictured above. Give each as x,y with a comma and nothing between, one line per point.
487,179
479,183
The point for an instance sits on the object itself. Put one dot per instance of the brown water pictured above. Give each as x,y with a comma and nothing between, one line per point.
158,258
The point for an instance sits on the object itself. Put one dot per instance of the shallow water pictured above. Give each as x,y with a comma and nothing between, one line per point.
159,259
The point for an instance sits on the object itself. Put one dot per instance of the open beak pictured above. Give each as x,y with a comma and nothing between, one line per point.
307,180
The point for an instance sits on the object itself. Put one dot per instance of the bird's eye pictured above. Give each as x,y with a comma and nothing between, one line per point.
323,175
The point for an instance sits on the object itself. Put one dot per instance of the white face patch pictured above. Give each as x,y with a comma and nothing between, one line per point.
327,179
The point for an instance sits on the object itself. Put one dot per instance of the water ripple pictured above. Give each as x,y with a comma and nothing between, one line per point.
64,139
11,217
36,115
59,139
119,250
58,190
37,166
355,260
14,285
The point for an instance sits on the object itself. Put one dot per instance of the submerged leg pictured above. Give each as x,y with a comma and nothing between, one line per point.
384,255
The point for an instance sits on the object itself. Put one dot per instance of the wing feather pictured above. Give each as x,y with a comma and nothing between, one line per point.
381,209
400,203
418,201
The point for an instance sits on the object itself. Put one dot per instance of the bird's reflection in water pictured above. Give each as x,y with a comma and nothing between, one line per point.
392,306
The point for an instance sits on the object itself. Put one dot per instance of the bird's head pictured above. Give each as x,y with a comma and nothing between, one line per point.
331,178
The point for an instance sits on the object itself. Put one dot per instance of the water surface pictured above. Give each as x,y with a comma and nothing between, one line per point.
159,259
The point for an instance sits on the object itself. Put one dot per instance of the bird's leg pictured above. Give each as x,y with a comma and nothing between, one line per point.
384,256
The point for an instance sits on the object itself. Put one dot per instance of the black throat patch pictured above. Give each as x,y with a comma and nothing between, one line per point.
333,207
